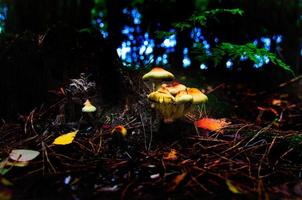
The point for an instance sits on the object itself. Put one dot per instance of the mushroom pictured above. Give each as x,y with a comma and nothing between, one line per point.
172,100
88,107
170,107
183,100
120,129
198,96
157,75
163,101
174,87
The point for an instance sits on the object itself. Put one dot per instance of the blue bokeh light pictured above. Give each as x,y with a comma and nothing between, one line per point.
141,47
243,57
203,66
278,38
100,24
3,16
197,37
266,42
229,64
137,47
186,62
260,63
136,16
169,42
186,59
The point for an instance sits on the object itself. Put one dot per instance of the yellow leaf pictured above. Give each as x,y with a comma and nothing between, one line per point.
232,188
17,164
66,138
5,182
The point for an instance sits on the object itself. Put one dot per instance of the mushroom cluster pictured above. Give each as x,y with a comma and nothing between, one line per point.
173,100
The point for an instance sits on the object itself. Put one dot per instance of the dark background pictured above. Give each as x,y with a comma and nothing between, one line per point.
43,47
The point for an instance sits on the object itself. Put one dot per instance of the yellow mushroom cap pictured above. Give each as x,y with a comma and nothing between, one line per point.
158,73
174,87
183,97
161,97
88,107
198,96
120,129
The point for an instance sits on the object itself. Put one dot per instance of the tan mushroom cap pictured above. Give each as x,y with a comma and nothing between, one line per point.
88,107
183,97
198,96
174,87
161,97
159,73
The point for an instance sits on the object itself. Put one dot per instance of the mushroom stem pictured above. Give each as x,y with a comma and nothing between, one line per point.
156,85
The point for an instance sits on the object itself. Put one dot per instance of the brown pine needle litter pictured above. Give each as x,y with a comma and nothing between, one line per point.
247,160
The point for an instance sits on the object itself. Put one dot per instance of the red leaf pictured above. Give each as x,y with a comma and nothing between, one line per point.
212,124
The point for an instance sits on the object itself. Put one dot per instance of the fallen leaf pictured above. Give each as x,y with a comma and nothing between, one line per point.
171,155
176,181
23,155
4,171
5,182
66,138
276,102
17,164
212,124
231,187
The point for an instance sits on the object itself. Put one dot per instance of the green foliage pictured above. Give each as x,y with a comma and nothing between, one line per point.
249,50
163,34
234,51
201,19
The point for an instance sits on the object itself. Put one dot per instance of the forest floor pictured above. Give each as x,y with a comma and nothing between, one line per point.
257,154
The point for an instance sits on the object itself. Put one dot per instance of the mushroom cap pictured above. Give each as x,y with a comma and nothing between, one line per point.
88,107
158,73
198,96
183,97
174,87
161,97
120,129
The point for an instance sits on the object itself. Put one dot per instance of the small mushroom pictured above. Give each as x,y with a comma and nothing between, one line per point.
183,100
183,97
157,75
198,96
174,87
170,107
88,107
161,96
163,101
120,129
